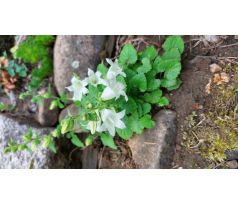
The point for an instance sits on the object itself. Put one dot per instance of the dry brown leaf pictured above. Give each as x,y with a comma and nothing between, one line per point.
214,68
221,78
7,81
197,106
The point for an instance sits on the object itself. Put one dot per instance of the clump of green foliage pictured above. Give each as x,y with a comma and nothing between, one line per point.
118,99
5,107
35,51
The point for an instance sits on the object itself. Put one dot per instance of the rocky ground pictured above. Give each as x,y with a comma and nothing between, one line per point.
197,130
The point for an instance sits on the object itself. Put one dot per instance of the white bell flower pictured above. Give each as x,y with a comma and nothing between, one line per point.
114,69
94,78
114,89
78,87
112,120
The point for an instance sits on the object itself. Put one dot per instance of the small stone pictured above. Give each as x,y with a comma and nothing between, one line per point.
75,54
44,115
212,38
231,154
232,164
155,148
215,68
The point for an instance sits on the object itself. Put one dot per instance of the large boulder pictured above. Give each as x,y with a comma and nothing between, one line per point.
75,54
41,158
155,148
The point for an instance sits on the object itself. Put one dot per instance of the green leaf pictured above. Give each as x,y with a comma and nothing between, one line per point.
163,101
10,69
128,55
76,141
153,97
150,52
125,134
174,42
134,125
171,84
102,69
52,146
146,108
172,54
160,65
107,140
166,83
147,122
130,106
47,141
146,66
153,85
176,86
173,72
139,81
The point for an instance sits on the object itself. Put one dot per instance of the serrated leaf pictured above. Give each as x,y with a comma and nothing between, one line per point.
130,106
176,86
128,55
174,42
171,84
145,67
125,134
166,83
153,97
147,122
150,52
173,72
134,125
146,108
107,140
172,54
139,81
153,84
163,101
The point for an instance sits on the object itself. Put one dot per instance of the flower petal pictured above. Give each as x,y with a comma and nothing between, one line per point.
108,94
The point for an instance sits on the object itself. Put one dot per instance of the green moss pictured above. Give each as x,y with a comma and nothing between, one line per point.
211,133
35,50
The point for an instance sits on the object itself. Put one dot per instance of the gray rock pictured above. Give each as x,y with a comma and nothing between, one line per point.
75,54
44,115
231,154
232,164
70,110
41,158
155,147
